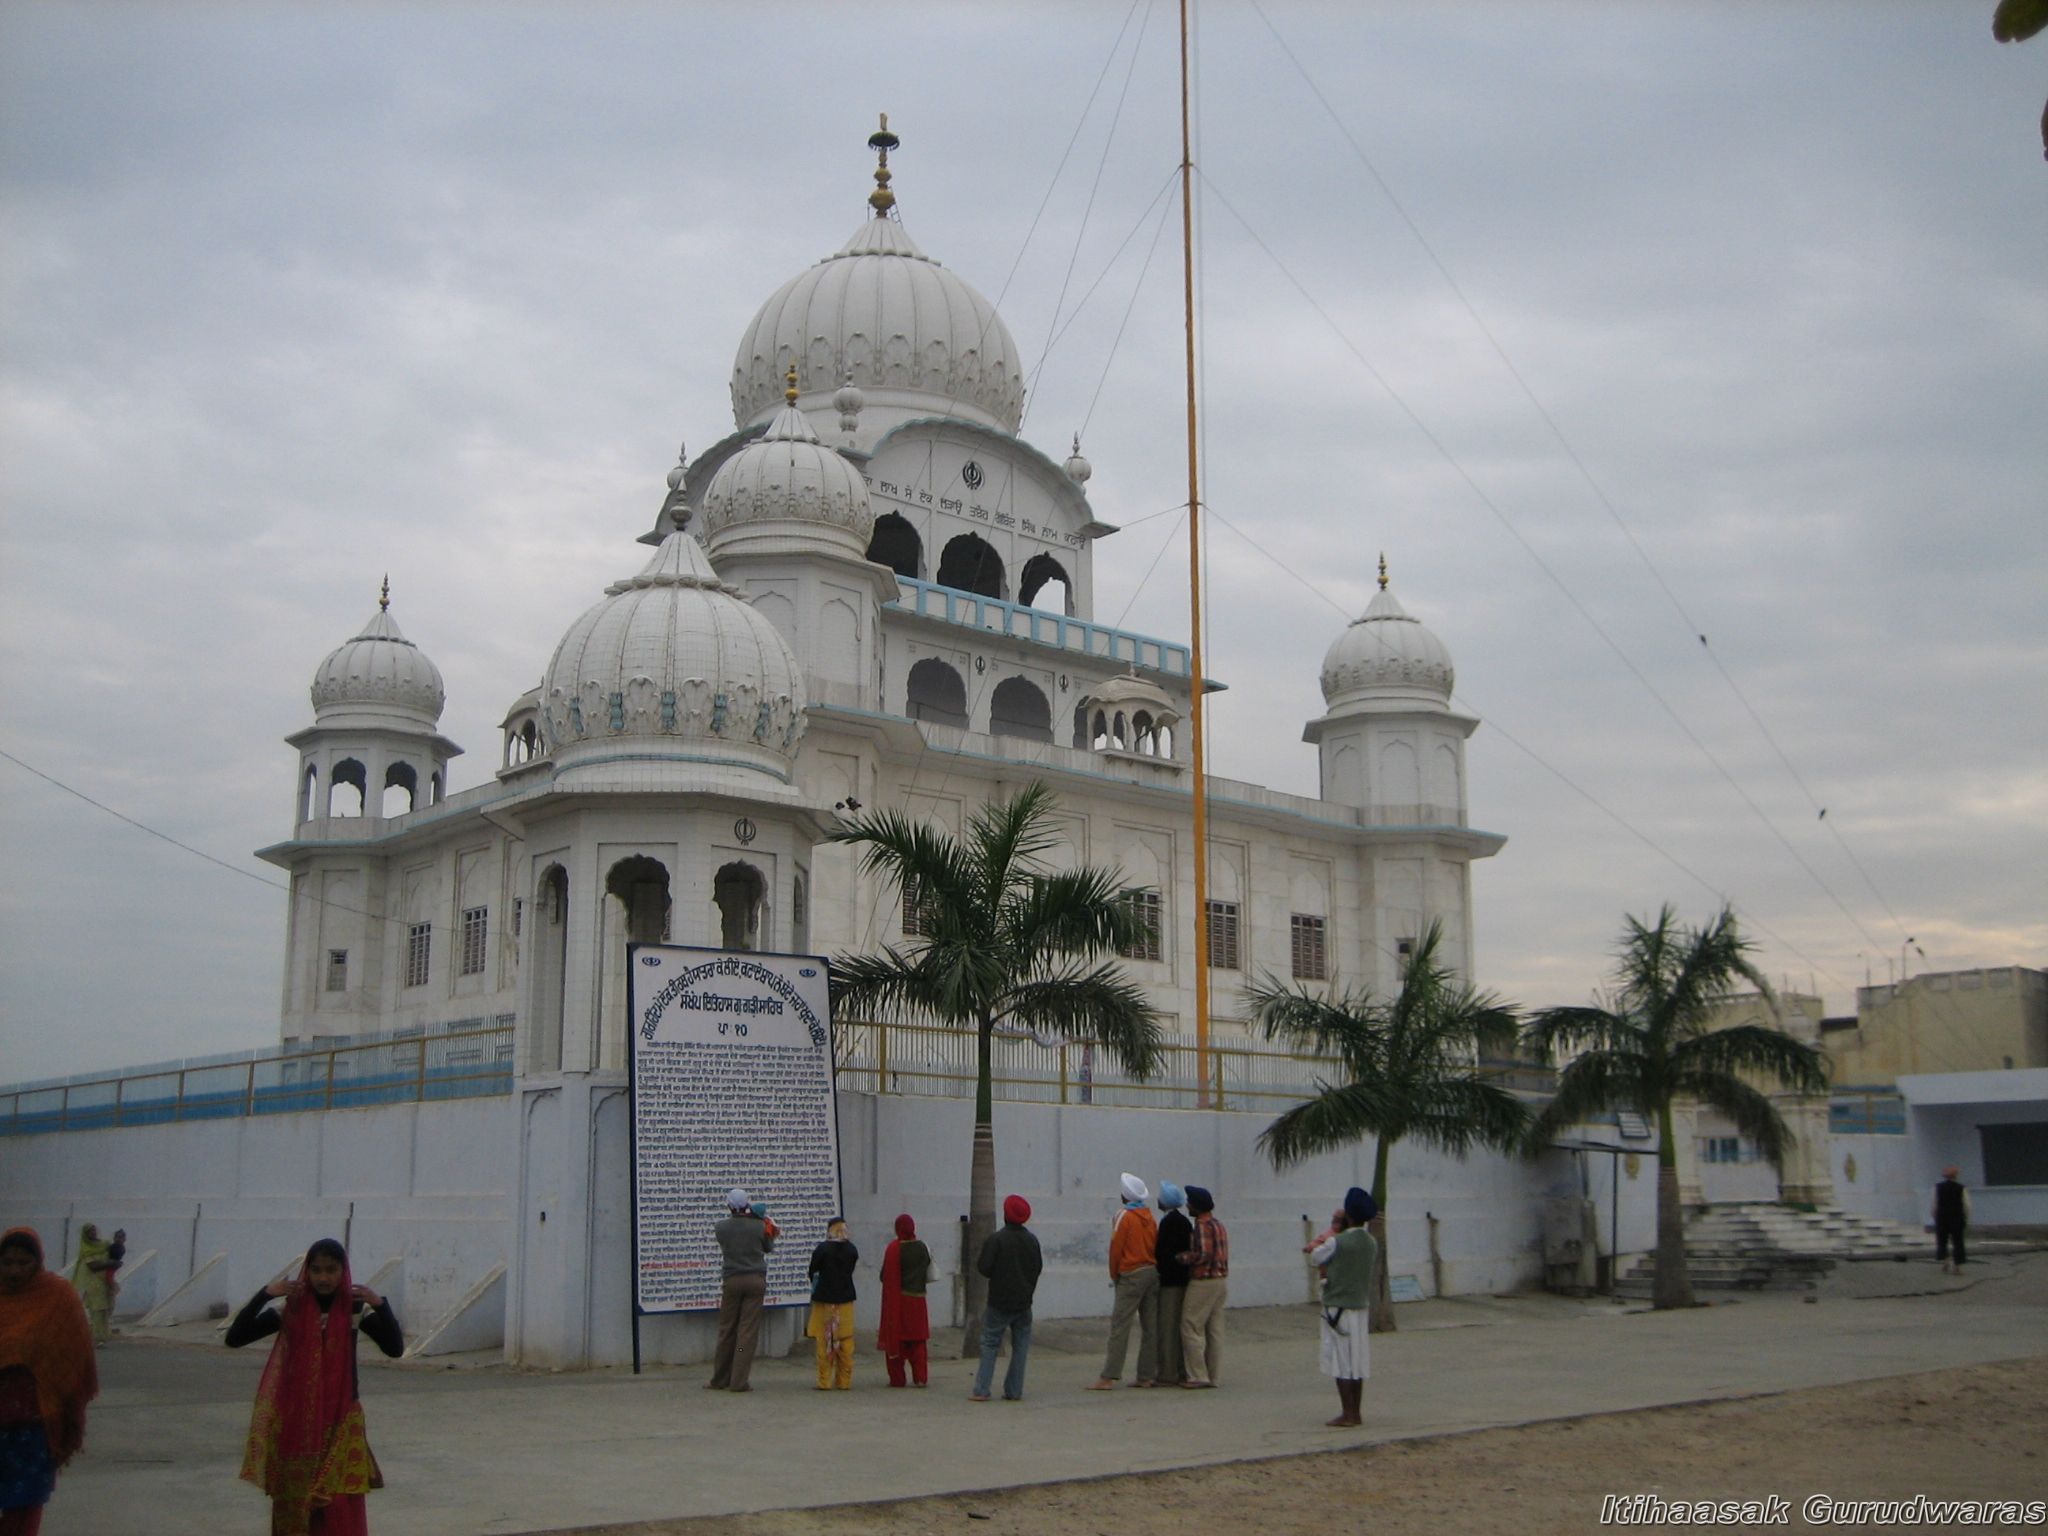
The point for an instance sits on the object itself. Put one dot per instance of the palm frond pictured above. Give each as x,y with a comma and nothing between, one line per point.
1072,912
1757,1050
1095,1003
1455,1115
1336,1117
1752,1113
1555,1032
1347,1026
1593,1083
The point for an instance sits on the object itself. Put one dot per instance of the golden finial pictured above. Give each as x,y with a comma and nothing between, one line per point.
384,597
881,142
789,383
1383,570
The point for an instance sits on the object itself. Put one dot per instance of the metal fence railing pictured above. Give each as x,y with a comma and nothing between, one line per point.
400,1069
1242,1073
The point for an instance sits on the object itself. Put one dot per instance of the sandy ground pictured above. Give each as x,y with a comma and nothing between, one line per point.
1976,1433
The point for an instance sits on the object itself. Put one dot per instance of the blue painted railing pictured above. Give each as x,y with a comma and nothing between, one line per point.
993,616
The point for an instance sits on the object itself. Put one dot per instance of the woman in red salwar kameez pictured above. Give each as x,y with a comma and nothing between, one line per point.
307,1447
906,1271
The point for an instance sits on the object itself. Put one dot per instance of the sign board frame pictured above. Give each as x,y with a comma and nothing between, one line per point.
684,994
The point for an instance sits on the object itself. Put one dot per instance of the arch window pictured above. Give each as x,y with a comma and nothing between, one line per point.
640,886
740,895
896,544
346,775
401,788
937,694
1017,708
970,564
309,790
1040,572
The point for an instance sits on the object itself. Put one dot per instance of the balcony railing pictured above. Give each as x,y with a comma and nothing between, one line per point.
458,1064
997,617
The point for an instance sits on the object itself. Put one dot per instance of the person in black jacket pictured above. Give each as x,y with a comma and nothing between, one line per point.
1012,1262
1176,1236
307,1446
832,1263
1951,1216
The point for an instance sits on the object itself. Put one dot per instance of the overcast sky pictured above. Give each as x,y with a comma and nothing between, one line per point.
295,296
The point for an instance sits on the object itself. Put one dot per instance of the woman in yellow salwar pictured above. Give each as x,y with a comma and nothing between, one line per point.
93,1278
307,1446
831,1326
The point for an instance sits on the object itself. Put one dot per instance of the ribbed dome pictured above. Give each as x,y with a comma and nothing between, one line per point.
882,315
1387,656
674,663
787,484
379,678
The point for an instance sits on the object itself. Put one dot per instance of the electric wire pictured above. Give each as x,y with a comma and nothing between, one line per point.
1691,625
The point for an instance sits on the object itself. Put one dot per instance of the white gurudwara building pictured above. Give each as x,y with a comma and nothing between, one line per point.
873,592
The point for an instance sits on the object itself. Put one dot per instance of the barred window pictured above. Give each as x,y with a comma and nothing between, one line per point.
476,927
1146,905
1309,941
518,915
419,944
337,970
914,924
1223,930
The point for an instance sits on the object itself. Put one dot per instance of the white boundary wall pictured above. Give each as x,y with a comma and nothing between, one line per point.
537,1182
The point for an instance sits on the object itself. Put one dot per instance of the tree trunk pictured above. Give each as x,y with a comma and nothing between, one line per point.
981,1194
1672,1286
1382,1314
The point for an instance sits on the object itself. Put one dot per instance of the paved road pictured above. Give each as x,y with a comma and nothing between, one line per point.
474,1450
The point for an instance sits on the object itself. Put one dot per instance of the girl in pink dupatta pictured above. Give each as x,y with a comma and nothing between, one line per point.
906,1325
307,1447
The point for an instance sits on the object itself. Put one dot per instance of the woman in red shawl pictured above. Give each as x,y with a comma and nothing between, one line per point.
47,1376
307,1446
906,1270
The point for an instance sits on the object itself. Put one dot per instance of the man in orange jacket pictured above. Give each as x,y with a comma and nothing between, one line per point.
1134,1272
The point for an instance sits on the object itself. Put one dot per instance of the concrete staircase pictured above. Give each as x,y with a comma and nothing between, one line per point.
1772,1247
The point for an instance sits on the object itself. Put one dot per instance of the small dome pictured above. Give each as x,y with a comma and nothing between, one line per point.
882,316
379,678
1387,656
674,663
787,483
1131,692
1078,469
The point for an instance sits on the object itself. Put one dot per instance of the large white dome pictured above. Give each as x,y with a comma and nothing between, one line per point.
378,678
917,339
787,485
1387,656
674,664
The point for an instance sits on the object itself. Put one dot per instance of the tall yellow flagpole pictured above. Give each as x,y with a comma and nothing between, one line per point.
1187,243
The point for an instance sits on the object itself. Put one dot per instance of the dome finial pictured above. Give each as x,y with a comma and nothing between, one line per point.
384,597
881,142
1383,570
789,383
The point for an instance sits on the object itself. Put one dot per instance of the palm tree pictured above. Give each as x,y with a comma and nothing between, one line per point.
1656,1043
1002,942
1410,1069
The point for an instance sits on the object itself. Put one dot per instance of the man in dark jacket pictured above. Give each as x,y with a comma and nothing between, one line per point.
744,1243
1011,1261
1951,1215
1176,1237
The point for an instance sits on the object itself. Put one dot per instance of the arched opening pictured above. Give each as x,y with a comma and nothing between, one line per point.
1099,737
970,564
937,694
636,911
1162,740
1039,573
740,895
1080,725
1017,708
346,775
1119,732
800,915
1141,732
401,787
896,545
550,967
434,790
640,886
309,790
